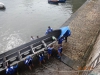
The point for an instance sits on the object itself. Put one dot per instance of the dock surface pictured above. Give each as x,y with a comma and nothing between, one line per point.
85,26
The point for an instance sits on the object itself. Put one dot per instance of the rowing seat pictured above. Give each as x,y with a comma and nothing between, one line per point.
25,52
12,58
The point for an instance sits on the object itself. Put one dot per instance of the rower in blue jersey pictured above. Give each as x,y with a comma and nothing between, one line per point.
65,32
60,40
68,33
50,48
11,70
59,51
49,30
28,62
41,58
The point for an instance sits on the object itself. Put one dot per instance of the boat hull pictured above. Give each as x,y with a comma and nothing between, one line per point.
2,6
53,2
31,48
56,2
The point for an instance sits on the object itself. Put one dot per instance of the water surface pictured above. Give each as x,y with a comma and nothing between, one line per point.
23,18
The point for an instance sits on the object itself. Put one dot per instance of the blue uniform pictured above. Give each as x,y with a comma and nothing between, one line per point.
41,57
50,50
28,61
11,70
60,49
60,40
68,33
49,30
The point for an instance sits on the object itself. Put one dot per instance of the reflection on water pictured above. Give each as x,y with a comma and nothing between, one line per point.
30,18
76,4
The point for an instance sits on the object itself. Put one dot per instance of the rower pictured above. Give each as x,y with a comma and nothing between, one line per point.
49,30
68,33
50,48
41,58
32,38
28,62
11,70
37,37
60,40
59,51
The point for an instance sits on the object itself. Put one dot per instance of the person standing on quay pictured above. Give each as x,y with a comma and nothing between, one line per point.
41,58
11,70
28,62
59,51
50,48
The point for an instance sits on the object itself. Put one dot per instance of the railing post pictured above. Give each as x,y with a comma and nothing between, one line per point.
19,55
31,49
44,43
4,61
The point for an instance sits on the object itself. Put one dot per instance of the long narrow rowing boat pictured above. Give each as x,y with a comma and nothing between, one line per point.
31,48
56,1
